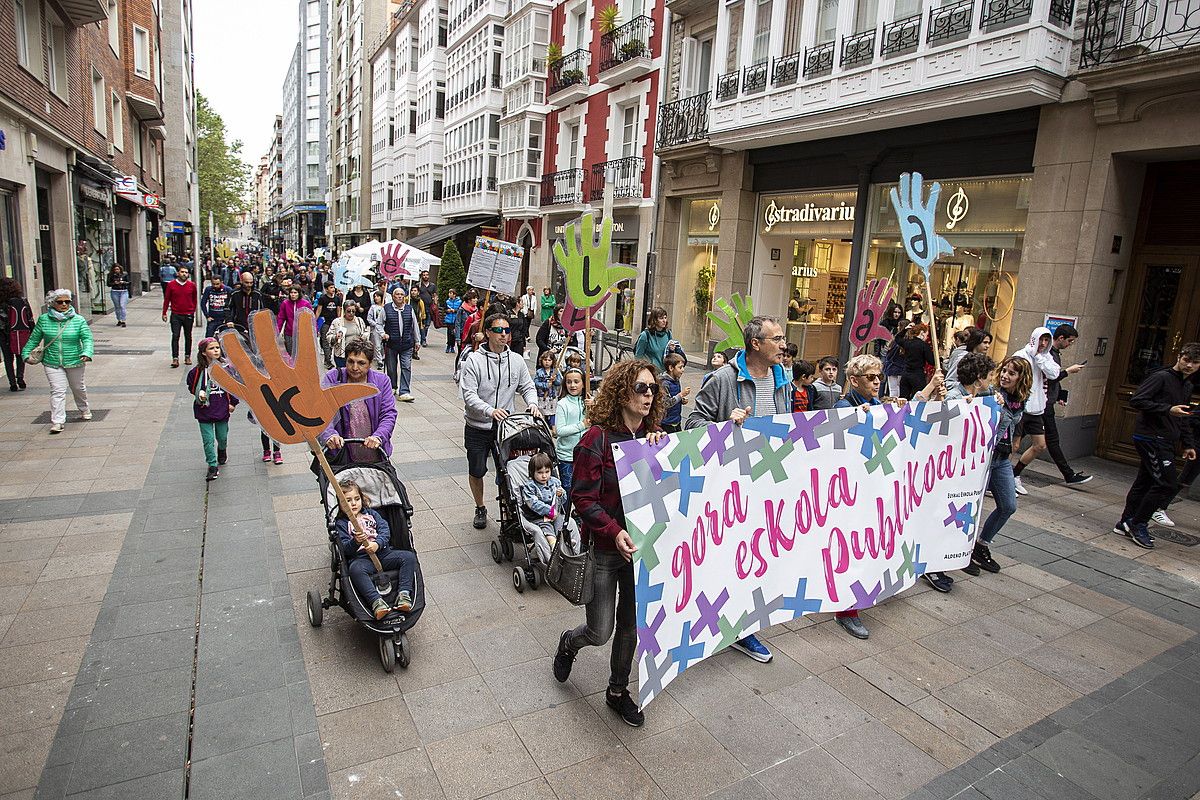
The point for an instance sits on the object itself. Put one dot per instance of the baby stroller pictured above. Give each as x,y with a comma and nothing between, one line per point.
388,497
518,437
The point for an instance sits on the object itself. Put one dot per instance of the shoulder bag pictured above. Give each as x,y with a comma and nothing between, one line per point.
38,353
572,575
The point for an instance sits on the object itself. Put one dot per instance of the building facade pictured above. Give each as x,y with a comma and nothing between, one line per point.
305,132
274,188
182,207
1062,137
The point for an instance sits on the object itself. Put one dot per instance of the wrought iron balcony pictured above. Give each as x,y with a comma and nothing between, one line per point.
858,48
630,41
683,121
901,36
571,70
754,77
727,85
625,174
786,69
1002,13
1117,30
951,22
562,187
818,60
1062,12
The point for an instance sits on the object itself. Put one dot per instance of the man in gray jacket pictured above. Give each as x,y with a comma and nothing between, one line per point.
753,384
490,379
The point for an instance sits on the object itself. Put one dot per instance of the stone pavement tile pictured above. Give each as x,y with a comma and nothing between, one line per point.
241,671
527,687
966,647
1058,608
88,543
1036,624
433,664
991,709
124,752
99,523
265,770
1037,578
26,549
804,653
228,725
163,586
1090,599
947,751
762,678
856,689
978,594
136,697
537,789
29,706
407,774
1102,653
1153,625
453,708
564,734
999,785
57,658
1138,644
946,607
921,666
815,773
884,759
687,761
1039,692
22,756
155,616
663,714
503,646
1158,747
834,642
477,763
1094,768
162,784
957,726
818,710
888,680
904,618
364,733
755,734
47,624
705,686
19,573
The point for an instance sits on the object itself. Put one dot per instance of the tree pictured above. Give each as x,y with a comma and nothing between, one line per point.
451,274
224,178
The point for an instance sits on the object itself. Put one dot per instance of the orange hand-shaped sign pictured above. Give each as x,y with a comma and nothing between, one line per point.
289,402
391,261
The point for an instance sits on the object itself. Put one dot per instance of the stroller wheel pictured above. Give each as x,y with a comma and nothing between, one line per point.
508,549
496,554
519,579
315,609
403,654
533,578
387,653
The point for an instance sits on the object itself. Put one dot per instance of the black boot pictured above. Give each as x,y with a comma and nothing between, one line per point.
222,456
213,472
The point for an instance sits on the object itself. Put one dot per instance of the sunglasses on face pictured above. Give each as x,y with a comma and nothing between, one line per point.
646,388
872,377
62,302
499,330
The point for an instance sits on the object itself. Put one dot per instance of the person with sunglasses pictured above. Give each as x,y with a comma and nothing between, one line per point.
754,384
491,378
68,349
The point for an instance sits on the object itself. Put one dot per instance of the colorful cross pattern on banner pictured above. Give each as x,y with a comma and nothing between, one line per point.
742,527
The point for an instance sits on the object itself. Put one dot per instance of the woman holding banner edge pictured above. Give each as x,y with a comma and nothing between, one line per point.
630,404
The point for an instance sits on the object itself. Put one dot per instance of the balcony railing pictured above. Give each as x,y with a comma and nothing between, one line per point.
818,60
571,70
630,41
754,77
951,22
786,69
563,187
625,174
1117,30
1062,12
727,85
999,13
901,36
858,48
683,121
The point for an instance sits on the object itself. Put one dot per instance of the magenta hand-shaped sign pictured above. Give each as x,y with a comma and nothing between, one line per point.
575,319
391,261
869,311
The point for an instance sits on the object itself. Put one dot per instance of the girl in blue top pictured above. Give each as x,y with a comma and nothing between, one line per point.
453,303
571,416
548,381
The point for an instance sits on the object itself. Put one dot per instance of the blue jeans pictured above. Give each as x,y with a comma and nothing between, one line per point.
566,471
399,369
425,331
361,569
612,605
1004,492
120,298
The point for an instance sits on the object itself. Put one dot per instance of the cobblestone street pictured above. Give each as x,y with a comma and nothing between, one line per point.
154,641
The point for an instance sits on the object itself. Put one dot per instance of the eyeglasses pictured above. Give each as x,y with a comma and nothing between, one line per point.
780,339
499,330
646,388
872,377
62,301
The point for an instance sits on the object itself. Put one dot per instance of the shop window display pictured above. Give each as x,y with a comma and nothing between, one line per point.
696,273
93,254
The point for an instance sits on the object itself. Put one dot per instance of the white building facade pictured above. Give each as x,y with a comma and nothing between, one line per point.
305,128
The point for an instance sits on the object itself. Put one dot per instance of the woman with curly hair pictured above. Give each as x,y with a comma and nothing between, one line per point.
629,404
16,324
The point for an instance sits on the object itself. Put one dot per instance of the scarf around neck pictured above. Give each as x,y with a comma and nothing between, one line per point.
62,316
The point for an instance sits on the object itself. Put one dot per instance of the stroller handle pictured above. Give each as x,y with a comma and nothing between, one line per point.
342,451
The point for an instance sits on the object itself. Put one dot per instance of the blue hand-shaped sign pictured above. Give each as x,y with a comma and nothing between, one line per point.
916,217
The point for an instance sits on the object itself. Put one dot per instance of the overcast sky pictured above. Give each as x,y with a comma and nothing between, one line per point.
242,52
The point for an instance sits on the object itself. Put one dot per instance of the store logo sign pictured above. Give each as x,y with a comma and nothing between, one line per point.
126,184
957,207
774,214
804,272
714,217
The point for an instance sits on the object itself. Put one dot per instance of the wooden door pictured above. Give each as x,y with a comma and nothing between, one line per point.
1161,312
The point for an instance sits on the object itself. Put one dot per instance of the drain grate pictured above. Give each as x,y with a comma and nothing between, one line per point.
1178,537
72,416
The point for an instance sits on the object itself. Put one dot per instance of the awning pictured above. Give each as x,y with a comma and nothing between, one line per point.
81,12
144,108
441,234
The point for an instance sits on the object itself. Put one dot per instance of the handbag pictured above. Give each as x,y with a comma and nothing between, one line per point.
570,574
38,353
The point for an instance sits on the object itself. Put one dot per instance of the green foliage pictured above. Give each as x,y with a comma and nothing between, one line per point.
451,274
610,18
223,177
704,288
554,54
732,320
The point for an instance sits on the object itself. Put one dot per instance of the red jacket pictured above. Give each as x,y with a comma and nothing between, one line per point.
180,298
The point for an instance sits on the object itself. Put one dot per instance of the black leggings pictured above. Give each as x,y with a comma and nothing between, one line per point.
181,323
14,365
267,444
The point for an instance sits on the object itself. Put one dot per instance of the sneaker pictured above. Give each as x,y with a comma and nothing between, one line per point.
87,416
406,398
404,602
1077,479
266,456
278,457
982,555
213,474
380,608
1020,486
1122,527
1160,518
853,626
188,361
56,428
416,357
1140,536
971,569
222,455
625,707
174,363
480,521
563,659
939,581
751,646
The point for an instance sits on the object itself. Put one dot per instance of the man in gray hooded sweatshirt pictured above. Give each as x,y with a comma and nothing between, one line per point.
490,379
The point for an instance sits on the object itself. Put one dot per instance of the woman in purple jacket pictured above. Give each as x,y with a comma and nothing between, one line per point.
211,405
371,419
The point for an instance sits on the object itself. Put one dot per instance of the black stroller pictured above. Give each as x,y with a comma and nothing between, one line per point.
518,437
388,497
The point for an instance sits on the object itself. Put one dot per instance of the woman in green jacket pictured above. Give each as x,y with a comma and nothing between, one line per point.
68,341
549,303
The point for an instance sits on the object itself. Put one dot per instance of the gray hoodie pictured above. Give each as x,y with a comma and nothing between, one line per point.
492,380
1045,368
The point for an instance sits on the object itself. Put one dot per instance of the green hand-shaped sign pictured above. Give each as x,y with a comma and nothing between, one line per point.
732,321
584,261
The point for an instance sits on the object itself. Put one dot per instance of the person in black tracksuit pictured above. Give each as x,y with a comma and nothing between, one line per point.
1164,418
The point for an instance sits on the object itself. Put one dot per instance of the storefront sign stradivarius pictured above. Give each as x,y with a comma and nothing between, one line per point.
774,213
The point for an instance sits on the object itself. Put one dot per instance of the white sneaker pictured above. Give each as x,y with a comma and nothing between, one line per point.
87,415
406,398
1020,486
56,427
1160,517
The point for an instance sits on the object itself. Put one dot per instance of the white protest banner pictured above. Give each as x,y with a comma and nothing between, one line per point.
741,528
495,265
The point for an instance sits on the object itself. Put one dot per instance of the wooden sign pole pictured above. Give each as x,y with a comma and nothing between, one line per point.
319,453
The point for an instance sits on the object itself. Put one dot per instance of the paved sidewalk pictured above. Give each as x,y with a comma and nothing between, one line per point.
167,618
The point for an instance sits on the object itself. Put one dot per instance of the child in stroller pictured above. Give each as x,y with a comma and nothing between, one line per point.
542,504
375,538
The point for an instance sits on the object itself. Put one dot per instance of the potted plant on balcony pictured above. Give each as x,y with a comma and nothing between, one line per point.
571,77
609,18
554,55
633,49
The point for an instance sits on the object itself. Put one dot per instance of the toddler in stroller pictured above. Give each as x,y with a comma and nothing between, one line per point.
542,504
375,538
